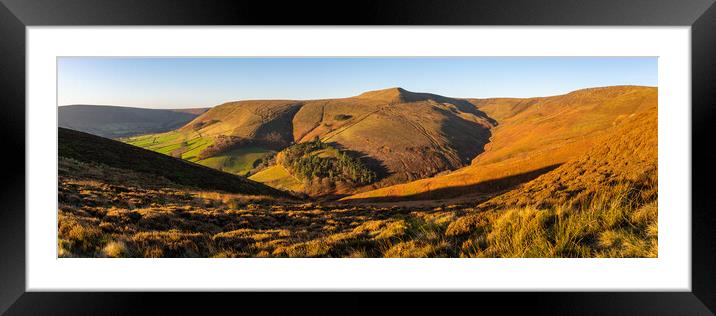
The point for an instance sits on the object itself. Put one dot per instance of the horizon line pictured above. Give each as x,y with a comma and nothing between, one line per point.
316,99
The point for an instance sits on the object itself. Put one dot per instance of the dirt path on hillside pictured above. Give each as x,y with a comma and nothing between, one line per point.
347,126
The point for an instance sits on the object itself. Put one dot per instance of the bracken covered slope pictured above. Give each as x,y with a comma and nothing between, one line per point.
626,158
532,136
409,135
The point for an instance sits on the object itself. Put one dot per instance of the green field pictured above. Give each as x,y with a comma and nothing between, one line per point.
162,143
189,144
237,161
193,147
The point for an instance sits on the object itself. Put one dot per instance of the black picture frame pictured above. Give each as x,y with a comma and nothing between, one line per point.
16,15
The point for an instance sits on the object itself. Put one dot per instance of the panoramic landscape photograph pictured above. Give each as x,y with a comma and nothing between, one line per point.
357,157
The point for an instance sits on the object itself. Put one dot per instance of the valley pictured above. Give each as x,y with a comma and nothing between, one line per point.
119,121
387,173
420,146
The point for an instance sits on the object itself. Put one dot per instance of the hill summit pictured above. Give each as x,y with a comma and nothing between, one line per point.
396,95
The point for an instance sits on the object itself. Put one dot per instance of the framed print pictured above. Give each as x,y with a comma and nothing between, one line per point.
556,154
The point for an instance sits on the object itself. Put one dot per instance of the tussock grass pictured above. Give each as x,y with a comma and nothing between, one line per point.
611,224
175,223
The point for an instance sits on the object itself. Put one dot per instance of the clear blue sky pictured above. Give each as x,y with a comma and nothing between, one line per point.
204,82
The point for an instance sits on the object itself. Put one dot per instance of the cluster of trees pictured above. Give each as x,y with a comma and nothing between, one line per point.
262,163
335,165
342,117
199,125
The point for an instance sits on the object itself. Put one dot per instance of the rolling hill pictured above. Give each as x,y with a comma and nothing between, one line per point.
532,136
118,121
624,159
94,150
400,135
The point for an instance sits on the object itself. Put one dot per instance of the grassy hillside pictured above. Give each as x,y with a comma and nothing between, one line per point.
277,176
117,121
258,128
408,135
623,160
88,148
603,203
403,135
532,136
238,161
187,146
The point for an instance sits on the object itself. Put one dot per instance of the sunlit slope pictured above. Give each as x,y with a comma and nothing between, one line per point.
544,124
623,160
532,136
277,176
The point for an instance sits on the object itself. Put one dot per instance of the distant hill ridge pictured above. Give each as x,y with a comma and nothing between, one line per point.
119,121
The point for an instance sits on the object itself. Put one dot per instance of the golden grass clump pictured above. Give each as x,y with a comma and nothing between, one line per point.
519,233
410,249
115,249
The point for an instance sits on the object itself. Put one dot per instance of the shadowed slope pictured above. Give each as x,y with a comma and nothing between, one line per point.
93,149
256,119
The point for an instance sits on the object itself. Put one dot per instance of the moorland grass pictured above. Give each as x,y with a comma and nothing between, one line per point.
127,216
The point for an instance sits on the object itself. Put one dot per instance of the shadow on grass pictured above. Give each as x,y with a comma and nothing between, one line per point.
377,166
485,187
